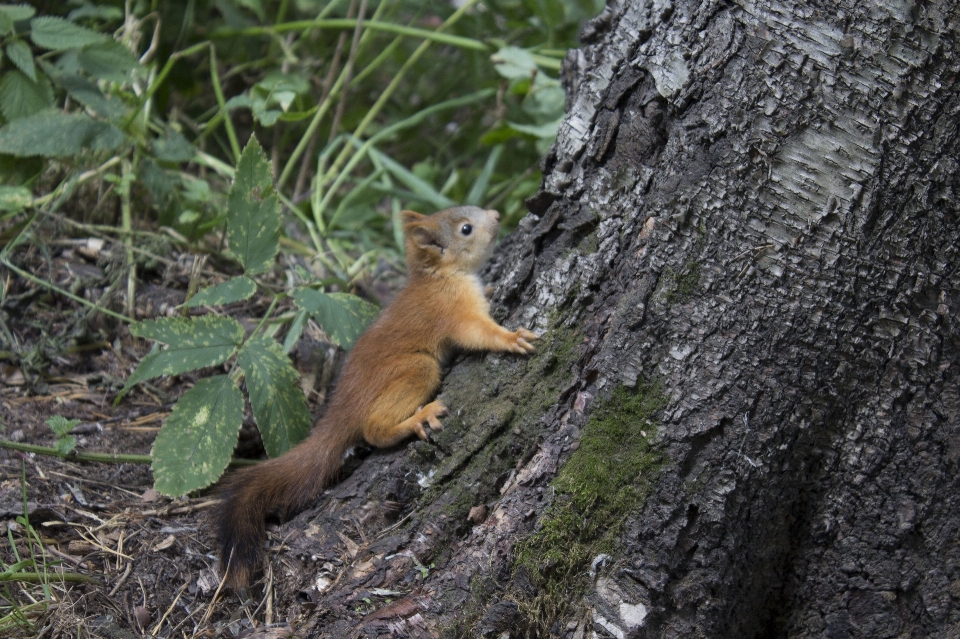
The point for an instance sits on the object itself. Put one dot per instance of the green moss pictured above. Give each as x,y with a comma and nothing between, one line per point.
606,479
681,284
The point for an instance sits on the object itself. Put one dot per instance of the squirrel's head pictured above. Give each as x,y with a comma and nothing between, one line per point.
458,239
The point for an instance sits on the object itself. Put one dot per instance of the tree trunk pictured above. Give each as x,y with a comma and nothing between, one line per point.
742,420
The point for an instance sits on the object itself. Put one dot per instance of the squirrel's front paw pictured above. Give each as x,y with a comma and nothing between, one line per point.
523,339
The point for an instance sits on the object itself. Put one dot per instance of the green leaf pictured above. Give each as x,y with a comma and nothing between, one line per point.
55,134
343,317
86,92
173,146
65,444
19,54
193,343
6,24
479,188
275,396
514,63
295,330
193,448
60,425
20,96
15,198
253,211
546,131
100,13
233,290
109,61
18,12
58,34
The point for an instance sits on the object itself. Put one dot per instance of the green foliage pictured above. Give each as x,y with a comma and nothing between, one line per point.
146,108
344,317
54,134
206,420
233,290
253,219
193,343
61,427
194,446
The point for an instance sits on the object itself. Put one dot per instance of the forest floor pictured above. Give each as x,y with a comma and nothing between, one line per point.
150,560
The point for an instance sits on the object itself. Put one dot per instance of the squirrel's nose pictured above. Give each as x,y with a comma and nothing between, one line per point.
496,214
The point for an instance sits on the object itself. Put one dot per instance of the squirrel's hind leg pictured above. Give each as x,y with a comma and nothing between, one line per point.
401,408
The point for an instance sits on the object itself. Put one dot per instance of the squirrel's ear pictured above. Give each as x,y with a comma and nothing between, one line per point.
426,237
411,217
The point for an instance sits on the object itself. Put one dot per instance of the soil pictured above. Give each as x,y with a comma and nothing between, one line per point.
151,560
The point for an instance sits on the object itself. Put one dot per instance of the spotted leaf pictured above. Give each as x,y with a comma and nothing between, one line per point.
278,403
193,343
233,290
194,446
343,317
253,211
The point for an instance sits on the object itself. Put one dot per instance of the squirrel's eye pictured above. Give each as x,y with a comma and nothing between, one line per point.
466,229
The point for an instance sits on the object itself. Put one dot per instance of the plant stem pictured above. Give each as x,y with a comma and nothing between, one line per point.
347,23
101,458
60,291
218,91
34,578
388,92
126,179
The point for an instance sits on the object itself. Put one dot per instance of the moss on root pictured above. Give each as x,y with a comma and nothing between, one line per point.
606,479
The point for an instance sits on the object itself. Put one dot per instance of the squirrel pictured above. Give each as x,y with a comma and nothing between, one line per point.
388,381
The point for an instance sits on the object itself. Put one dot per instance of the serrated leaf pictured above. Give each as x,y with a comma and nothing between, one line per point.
19,54
60,425
275,396
233,290
65,445
86,92
193,448
20,96
18,12
194,343
15,198
253,211
57,34
109,60
342,316
55,134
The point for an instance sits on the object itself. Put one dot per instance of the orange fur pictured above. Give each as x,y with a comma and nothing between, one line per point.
388,381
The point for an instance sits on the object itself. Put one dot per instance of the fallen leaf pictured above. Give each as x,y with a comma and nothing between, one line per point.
166,543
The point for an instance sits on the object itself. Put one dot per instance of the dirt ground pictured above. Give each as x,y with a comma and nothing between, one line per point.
151,560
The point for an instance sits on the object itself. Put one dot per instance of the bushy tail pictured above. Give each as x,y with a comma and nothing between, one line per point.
281,486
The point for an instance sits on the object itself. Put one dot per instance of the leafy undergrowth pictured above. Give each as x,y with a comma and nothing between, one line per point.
224,179
606,479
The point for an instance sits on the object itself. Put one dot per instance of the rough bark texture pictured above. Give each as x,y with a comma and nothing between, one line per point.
751,210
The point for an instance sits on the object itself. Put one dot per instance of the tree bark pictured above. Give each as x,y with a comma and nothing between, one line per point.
748,222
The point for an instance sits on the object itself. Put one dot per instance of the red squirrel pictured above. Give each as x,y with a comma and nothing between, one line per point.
388,381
